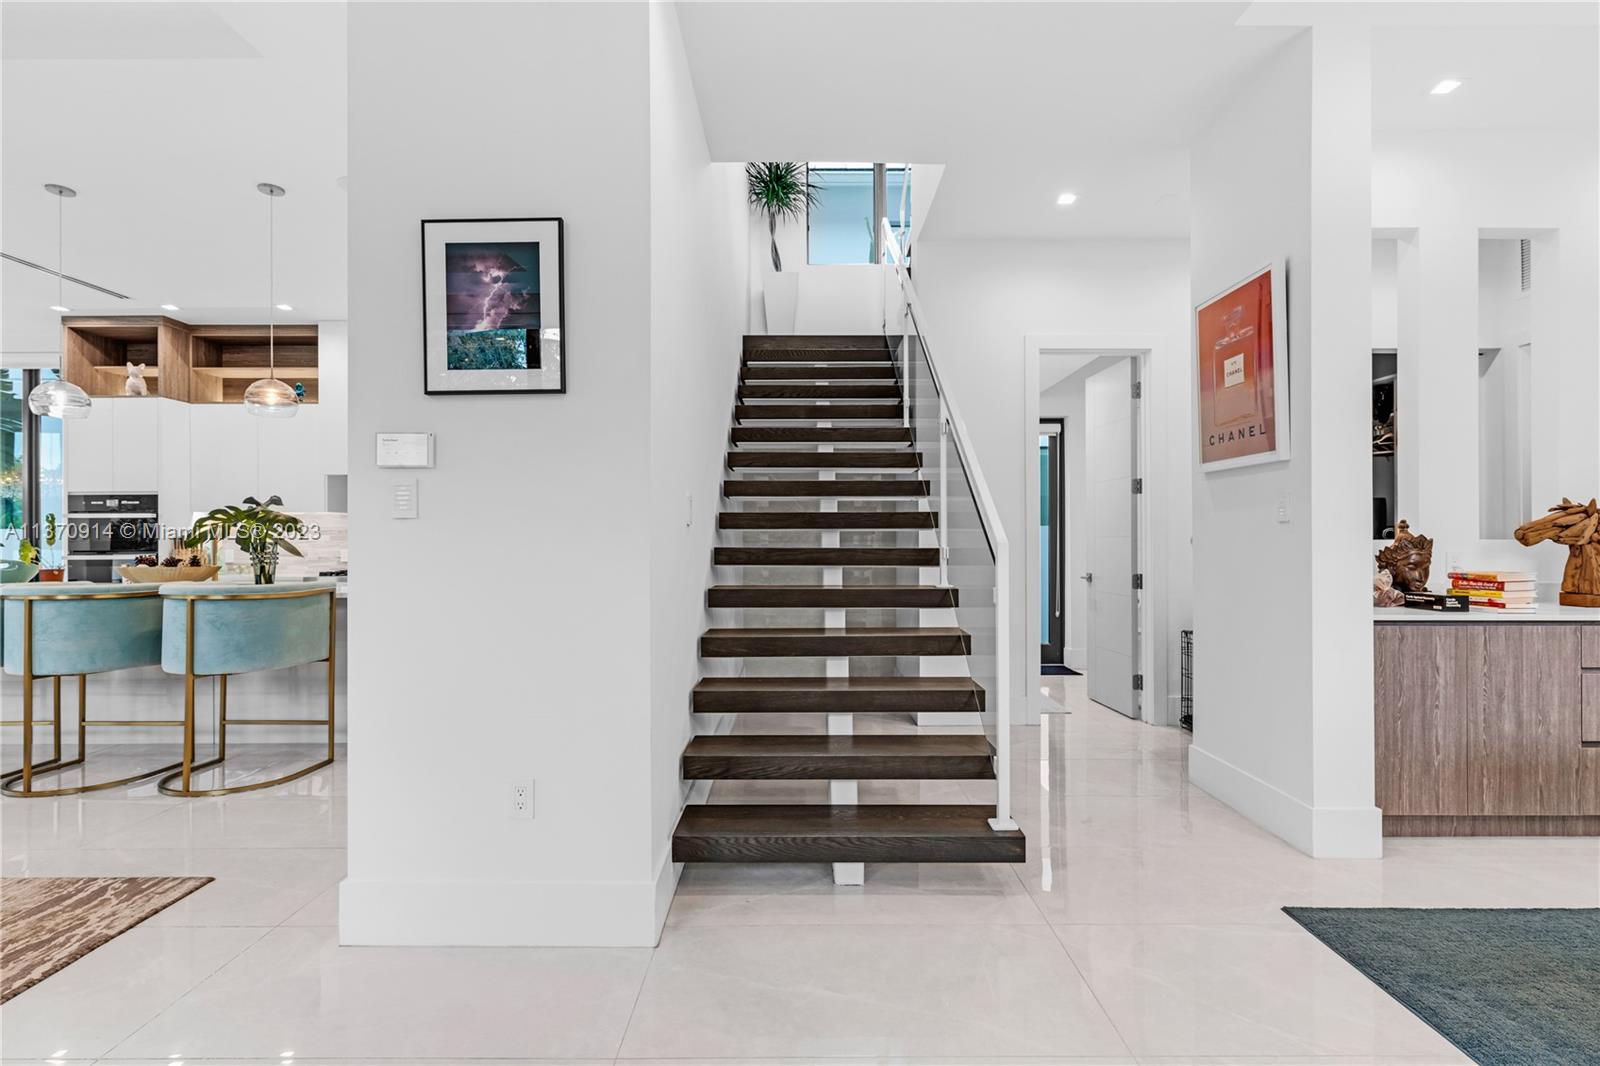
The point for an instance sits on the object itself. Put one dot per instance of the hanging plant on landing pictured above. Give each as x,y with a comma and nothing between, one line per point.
780,190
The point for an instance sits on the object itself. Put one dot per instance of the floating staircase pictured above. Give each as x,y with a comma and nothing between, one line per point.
820,453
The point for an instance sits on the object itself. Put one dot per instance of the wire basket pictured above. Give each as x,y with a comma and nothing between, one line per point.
1186,679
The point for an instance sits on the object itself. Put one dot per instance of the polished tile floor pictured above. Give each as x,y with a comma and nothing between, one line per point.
1145,928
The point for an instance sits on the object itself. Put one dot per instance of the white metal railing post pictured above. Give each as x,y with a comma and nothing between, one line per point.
1002,689
944,496
909,394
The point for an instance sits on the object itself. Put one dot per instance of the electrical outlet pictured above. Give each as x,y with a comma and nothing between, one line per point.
522,801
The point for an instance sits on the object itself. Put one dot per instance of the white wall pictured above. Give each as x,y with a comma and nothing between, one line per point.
699,256
982,299
514,610
1444,192
1283,690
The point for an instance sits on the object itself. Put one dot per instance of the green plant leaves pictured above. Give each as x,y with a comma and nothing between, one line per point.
780,190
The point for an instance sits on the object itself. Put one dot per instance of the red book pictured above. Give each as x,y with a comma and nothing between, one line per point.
1490,586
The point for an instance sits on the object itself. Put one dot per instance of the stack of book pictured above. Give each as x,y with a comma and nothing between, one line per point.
1498,590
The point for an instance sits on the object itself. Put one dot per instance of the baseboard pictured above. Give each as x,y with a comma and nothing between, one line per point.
1077,658
1321,832
505,913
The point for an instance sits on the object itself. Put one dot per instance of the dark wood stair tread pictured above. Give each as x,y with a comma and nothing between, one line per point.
821,435
882,372
827,520
838,695
815,412
844,458
842,487
818,757
766,344
786,390
905,596
857,640
717,832
825,556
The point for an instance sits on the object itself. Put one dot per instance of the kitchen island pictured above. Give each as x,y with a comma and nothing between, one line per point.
1487,724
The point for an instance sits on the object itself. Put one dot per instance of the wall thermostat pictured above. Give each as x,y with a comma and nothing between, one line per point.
405,449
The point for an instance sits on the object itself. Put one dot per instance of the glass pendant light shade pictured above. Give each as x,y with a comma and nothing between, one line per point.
59,399
268,397
271,398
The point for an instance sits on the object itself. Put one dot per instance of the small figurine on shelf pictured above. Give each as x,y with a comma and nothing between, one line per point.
300,391
1408,559
135,385
1384,594
1576,525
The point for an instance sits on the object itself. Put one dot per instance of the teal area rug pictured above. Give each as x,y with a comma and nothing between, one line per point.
1507,987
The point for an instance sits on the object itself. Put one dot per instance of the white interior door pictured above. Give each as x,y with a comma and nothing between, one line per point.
1110,468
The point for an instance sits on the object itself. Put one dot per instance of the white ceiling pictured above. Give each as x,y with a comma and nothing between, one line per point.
1021,101
164,117
1025,100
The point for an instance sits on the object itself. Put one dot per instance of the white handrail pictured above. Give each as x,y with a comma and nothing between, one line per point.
952,425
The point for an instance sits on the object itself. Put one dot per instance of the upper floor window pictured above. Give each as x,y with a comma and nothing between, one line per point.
851,197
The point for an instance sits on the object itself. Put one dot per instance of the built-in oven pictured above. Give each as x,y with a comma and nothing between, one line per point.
109,529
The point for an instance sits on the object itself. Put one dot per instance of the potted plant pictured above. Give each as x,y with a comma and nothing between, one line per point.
256,528
32,555
779,190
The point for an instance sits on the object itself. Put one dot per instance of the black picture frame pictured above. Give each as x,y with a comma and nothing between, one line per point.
435,378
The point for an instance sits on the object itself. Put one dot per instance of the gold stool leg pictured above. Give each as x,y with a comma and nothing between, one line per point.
222,718
27,695
55,721
83,714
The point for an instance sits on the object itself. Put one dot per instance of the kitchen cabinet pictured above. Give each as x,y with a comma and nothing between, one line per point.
1487,728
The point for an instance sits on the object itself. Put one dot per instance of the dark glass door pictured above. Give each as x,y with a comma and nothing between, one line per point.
1052,629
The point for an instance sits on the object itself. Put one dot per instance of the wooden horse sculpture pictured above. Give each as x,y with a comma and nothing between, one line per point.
1576,525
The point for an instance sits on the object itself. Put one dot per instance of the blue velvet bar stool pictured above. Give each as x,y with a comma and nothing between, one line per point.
212,630
58,630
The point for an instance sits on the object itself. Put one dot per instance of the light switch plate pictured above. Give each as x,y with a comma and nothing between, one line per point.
1282,511
403,501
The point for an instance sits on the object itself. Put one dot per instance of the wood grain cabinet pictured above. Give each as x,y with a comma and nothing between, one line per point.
1487,728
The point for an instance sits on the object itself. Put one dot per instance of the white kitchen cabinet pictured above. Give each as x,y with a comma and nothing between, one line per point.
89,448
136,460
224,454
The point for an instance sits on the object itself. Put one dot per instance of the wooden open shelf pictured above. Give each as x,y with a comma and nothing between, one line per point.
194,364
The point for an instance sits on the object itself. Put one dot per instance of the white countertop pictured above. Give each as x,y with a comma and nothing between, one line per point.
1542,612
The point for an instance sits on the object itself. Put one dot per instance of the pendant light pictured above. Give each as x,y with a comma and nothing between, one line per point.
59,398
268,397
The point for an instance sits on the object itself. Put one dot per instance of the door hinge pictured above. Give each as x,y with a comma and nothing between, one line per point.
1138,486
1138,682
1138,390
1138,581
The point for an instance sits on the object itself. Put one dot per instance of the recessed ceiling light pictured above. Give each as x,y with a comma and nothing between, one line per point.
1066,199
1448,85
284,307
62,310
170,307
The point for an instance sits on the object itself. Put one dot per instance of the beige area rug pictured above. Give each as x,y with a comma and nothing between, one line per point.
48,922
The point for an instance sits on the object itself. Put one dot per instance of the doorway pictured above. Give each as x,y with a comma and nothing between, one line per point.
1052,546
1113,563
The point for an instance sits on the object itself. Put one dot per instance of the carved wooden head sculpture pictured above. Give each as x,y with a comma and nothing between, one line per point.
1408,559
